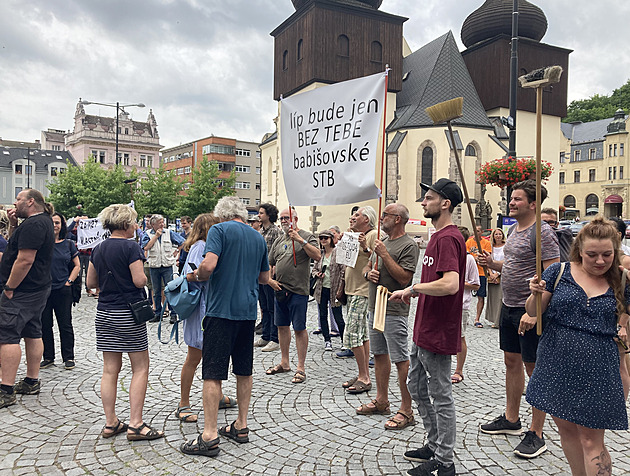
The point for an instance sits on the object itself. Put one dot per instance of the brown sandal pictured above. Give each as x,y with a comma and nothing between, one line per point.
377,409
350,382
117,429
359,387
278,369
393,424
299,377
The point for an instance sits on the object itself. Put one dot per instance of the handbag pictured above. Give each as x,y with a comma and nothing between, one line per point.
140,310
182,298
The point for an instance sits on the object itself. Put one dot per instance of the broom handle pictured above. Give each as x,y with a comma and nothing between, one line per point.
468,205
539,95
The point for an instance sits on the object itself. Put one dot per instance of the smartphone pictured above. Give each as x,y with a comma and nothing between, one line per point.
193,266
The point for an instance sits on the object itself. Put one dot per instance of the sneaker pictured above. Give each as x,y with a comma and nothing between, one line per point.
344,354
6,398
69,364
317,332
261,342
328,346
531,446
371,362
420,455
173,318
502,426
432,467
271,346
44,364
27,389
156,318
334,334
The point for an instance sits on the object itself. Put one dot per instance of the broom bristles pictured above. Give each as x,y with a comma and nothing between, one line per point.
446,111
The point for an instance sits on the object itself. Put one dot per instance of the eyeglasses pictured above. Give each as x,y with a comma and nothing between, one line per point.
389,214
551,222
324,238
285,218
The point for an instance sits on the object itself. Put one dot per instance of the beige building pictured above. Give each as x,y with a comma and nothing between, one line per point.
593,173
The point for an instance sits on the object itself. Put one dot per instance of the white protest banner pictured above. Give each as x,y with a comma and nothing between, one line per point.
328,140
348,249
90,233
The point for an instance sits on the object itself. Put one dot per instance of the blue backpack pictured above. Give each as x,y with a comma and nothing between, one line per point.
183,300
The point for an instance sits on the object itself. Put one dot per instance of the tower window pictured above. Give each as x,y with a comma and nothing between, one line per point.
343,46
299,50
376,52
285,60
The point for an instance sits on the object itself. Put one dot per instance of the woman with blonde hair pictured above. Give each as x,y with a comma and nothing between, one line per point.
495,293
116,268
195,245
577,376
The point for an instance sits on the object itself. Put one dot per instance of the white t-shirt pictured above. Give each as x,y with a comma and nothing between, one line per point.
472,277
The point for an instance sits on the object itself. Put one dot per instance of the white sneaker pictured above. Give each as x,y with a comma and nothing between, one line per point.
261,342
328,346
271,346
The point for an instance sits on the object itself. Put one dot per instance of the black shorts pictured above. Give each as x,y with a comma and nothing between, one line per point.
21,316
482,292
510,341
225,338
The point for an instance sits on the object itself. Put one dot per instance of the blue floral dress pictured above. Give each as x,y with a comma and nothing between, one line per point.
576,377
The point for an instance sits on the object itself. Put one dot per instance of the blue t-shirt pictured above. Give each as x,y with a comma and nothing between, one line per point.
3,244
183,254
176,238
63,254
115,255
233,286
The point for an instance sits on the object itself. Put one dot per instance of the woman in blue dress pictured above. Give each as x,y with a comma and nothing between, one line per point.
195,245
576,379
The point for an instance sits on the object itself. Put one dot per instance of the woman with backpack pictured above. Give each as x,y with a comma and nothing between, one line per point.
64,270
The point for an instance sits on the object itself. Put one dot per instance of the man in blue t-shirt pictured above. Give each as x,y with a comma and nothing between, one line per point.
235,262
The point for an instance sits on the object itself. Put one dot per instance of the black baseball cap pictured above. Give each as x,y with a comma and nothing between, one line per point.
448,189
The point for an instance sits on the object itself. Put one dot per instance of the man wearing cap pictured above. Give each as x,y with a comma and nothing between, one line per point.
437,329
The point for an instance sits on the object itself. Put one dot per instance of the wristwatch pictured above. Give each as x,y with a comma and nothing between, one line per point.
366,275
70,280
7,288
413,293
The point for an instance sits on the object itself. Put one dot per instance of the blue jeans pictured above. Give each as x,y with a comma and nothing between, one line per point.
159,275
266,301
323,315
430,378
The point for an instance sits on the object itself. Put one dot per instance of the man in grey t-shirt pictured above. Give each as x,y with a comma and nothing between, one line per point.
397,257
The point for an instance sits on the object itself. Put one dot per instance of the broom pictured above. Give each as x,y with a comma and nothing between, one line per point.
445,112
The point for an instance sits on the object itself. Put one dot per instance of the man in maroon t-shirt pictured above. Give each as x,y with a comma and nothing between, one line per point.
437,329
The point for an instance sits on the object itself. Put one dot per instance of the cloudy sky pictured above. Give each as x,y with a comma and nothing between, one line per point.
205,66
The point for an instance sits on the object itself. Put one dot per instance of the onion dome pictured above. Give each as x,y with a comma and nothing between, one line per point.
494,18
618,124
361,3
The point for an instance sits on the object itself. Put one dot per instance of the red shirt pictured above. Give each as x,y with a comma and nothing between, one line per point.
438,321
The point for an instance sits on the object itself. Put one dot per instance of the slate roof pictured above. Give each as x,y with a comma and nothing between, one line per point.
39,157
435,73
580,132
394,145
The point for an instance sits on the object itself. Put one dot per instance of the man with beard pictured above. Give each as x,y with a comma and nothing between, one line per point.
291,286
397,257
25,280
437,330
517,337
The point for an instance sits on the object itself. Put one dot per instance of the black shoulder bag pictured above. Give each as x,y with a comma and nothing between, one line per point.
141,310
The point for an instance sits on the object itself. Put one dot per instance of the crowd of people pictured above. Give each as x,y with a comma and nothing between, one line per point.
578,370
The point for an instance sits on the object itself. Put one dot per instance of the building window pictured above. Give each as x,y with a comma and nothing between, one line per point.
242,153
427,167
257,186
257,170
149,161
561,177
220,182
576,176
53,171
218,149
56,147
186,185
244,201
143,160
180,171
18,170
470,151
126,159
615,150
343,46
225,166
592,204
577,155
569,201
591,175
621,172
118,157
187,169
242,169
258,201
28,169
376,52
17,190
242,185
126,130
620,150
610,150
609,173
299,49
614,173
592,154
285,60
563,157
258,154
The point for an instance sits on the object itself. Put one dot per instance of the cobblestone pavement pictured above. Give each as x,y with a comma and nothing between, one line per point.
302,429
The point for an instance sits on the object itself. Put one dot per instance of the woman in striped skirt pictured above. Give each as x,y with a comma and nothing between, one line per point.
116,330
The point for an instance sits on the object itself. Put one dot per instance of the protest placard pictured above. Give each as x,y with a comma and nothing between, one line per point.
348,249
90,233
329,140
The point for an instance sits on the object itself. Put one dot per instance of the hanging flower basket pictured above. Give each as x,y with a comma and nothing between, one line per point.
508,171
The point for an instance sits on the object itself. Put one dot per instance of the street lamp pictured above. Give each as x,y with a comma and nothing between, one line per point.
118,106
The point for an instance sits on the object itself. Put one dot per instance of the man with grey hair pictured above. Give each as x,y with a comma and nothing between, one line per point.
161,249
235,263
355,336
291,286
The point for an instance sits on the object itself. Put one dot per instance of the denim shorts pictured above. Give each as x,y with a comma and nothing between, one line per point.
291,312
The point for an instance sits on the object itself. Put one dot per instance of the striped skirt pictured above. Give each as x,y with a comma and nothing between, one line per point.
116,331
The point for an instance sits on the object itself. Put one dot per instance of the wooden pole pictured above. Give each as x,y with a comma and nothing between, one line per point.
380,200
539,96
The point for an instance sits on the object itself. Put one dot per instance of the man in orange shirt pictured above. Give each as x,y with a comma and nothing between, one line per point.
471,247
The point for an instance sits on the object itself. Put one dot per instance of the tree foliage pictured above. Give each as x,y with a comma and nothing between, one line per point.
205,189
87,189
599,106
158,193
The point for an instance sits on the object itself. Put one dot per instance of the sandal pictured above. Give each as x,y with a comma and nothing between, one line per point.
478,324
457,377
278,369
350,382
115,430
227,402
188,415
376,409
359,387
393,424
136,434
201,447
299,377
240,436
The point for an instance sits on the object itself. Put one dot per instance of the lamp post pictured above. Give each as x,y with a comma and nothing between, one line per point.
118,107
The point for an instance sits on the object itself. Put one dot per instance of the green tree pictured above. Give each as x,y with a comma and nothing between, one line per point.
158,193
599,107
89,188
206,189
